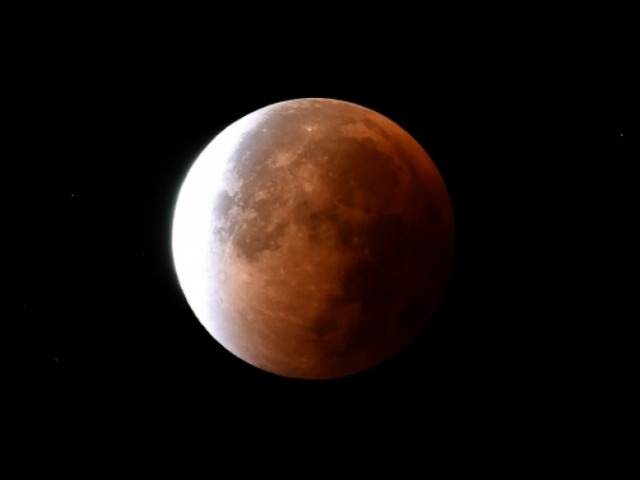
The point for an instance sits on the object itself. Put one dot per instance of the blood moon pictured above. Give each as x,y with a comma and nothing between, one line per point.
313,238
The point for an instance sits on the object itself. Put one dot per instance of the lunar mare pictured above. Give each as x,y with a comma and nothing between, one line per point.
313,238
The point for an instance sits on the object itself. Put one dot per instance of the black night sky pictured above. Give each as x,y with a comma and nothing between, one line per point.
527,339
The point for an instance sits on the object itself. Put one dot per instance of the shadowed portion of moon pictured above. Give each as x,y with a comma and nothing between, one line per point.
329,241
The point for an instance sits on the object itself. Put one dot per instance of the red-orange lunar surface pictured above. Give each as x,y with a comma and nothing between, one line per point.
313,238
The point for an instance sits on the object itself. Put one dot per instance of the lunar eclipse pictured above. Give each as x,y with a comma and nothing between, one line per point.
313,238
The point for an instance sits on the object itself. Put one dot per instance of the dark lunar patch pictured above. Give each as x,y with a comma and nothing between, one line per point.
251,241
320,223
301,210
318,218
363,332
371,335
371,282
350,235
221,208
373,125
372,279
317,222
365,282
323,325
223,204
357,166
387,238
220,235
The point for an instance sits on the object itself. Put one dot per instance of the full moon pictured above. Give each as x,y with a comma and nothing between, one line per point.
313,238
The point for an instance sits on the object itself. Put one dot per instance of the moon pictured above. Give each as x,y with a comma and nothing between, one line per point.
313,238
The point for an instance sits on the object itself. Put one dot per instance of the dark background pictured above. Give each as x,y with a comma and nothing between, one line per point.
531,141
